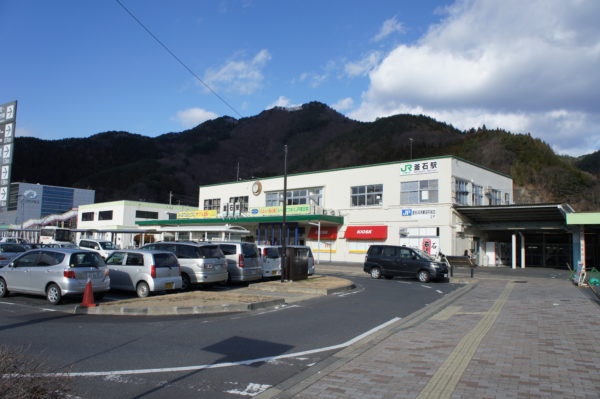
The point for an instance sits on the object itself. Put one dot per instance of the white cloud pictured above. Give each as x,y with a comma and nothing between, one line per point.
192,117
344,104
389,26
525,66
364,65
239,75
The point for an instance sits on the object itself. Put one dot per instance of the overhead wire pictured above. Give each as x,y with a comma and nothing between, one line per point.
164,46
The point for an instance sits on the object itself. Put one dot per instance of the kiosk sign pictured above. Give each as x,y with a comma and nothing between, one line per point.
8,116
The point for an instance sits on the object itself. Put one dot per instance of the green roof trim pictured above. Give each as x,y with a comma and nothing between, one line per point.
365,166
583,218
258,219
140,204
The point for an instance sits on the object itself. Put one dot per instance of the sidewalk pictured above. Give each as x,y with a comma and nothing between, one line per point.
511,334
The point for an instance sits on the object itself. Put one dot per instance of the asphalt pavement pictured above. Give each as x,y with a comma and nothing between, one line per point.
524,333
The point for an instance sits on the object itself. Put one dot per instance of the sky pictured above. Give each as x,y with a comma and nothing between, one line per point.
78,68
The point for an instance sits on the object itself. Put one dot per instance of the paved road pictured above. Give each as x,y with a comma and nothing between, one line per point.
123,349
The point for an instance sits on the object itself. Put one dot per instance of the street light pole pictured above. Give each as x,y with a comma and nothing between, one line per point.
411,141
284,268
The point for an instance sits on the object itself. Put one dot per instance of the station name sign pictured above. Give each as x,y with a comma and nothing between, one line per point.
419,213
420,167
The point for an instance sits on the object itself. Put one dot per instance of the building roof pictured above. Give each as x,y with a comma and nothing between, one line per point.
516,213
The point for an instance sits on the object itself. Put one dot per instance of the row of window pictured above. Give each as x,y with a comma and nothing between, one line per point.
411,192
108,215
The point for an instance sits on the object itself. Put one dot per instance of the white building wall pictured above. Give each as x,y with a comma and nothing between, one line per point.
337,185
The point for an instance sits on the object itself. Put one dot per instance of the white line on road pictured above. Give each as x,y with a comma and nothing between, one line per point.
216,365
277,309
425,286
439,292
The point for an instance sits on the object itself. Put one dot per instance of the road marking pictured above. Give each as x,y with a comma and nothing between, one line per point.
439,292
277,309
216,365
445,379
425,286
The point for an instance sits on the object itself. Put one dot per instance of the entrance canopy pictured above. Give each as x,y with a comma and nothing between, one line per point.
534,216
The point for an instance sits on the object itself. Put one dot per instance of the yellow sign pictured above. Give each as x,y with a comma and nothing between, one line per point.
278,210
197,214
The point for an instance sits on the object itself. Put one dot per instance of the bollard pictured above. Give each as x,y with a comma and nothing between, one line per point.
472,272
451,271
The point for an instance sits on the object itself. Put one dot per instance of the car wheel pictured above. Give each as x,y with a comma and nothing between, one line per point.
3,289
186,284
375,272
424,276
53,294
142,289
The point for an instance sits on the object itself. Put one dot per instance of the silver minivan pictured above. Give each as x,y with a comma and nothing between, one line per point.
55,272
201,263
144,271
243,260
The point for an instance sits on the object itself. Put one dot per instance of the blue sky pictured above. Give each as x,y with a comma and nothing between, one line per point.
82,67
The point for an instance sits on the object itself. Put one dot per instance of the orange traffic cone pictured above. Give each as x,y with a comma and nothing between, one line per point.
88,296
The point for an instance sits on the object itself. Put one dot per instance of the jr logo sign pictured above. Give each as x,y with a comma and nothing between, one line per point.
414,168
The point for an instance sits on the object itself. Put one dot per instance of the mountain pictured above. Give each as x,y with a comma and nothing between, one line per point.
121,165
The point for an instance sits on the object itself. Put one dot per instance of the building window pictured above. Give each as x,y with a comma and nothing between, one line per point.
311,196
212,204
461,189
419,192
87,216
243,201
146,215
105,215
507,198
477,195
370,195
56,200
171,216
495,197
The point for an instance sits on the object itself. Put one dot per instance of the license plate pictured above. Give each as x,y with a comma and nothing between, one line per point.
168,286
445,274
93,275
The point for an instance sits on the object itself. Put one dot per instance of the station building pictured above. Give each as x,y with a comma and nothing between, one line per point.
339,213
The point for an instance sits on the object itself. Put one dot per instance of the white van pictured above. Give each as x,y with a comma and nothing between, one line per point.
271,260
104,247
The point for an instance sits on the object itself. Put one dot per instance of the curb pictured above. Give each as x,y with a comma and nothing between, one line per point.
177,310
303,290
294,385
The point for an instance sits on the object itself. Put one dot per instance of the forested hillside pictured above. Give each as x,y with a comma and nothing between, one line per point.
121,165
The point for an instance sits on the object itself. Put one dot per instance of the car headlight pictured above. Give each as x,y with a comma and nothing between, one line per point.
435,265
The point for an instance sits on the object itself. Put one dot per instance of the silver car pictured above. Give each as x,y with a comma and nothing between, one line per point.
243,260
55,272
144,271
8,251
271,260
201,263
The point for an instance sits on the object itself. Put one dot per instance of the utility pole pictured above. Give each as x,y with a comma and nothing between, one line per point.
411,141
284,268
170,197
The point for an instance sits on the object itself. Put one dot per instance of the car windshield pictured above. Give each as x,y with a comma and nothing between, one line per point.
424,255
249,250
210,251
108,245
165,260
272,253
86,259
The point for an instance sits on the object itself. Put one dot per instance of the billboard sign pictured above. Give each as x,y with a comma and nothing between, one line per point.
8,117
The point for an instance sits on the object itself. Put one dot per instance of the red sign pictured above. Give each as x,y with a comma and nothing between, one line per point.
366,233
327,233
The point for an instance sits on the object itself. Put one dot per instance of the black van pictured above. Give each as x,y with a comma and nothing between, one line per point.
390,261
